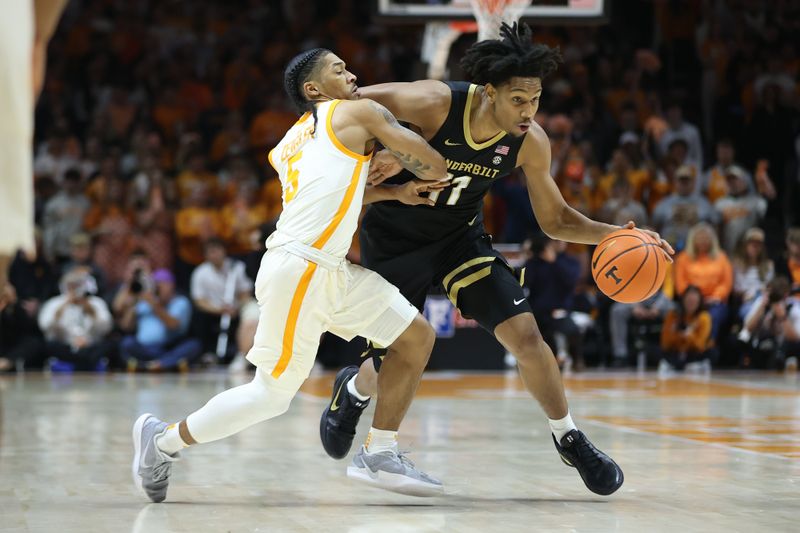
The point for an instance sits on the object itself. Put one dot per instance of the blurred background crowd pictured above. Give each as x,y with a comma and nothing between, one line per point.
154,195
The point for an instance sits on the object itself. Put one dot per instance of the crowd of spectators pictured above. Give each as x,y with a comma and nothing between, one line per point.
153,189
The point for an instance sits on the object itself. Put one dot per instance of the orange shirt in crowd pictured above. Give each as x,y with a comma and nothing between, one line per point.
696,337
794,272
269,126
713,276
196,96
237,222
637,178
112,227
717,185
193,226
188,180
167,117
222,143
271,195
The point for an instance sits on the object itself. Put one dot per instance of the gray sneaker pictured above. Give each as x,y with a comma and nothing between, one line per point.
151,467
391,470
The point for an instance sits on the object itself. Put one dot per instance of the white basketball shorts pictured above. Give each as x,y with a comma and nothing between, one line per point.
300,300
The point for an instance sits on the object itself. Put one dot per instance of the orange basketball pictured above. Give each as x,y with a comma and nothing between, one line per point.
629,266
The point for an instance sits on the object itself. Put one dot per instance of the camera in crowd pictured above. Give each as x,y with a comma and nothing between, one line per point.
140,281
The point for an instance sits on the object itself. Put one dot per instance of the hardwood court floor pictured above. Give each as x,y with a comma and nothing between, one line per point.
699,454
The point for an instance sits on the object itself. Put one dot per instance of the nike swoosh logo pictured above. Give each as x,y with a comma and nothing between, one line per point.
448,142
372,474
334,406
518,302
144,454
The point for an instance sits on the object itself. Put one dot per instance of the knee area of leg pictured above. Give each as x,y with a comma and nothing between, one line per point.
532,340
274,397
277,401
420,335
427,335
531,346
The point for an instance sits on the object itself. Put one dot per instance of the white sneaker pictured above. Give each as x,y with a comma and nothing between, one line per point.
151,467
744,335
664,368
391,470
791,364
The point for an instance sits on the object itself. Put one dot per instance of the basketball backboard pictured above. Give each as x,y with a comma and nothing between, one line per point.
551,11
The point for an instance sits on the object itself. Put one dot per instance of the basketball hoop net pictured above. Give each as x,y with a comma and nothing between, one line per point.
489,15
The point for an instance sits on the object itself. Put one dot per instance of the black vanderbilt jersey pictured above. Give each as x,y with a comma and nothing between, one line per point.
473,167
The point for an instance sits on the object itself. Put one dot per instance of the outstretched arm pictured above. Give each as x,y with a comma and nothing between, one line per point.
556,218
409,193
424,103
411,150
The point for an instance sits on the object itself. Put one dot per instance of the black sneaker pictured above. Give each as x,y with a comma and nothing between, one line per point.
598,471
337,427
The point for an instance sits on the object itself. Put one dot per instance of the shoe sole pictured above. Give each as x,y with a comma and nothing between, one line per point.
137,450
326,412
395,483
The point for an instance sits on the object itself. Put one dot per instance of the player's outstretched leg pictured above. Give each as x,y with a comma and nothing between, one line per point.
156,444
337,427
151,467
539,372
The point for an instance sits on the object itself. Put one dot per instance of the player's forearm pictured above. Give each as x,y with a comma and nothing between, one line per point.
417,156
572,226
380,193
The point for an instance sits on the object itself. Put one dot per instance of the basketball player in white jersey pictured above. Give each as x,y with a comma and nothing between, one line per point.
25,29
306,287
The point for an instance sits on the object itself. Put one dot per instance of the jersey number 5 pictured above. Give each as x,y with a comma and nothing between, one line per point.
458,184
292,175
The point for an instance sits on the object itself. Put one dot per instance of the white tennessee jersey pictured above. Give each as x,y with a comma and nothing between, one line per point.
323,185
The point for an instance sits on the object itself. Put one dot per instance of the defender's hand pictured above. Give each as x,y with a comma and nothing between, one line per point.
411,193
661,242
382,167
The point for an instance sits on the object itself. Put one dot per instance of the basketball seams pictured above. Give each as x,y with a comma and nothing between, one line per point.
633,283
653,287
625,251
638,269
616,235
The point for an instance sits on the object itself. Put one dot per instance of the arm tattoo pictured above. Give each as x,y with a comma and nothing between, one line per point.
408,161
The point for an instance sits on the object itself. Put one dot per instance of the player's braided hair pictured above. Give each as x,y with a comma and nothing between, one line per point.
496,61
297,72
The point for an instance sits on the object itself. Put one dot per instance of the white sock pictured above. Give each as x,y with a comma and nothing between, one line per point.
351,388
170,442
379,440
561,427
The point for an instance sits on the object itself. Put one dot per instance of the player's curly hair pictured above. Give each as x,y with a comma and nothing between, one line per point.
496,61
299,70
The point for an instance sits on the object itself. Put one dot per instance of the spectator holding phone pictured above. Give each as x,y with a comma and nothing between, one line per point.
160,319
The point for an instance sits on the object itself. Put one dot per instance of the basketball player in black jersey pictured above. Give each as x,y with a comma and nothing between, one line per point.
484,129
